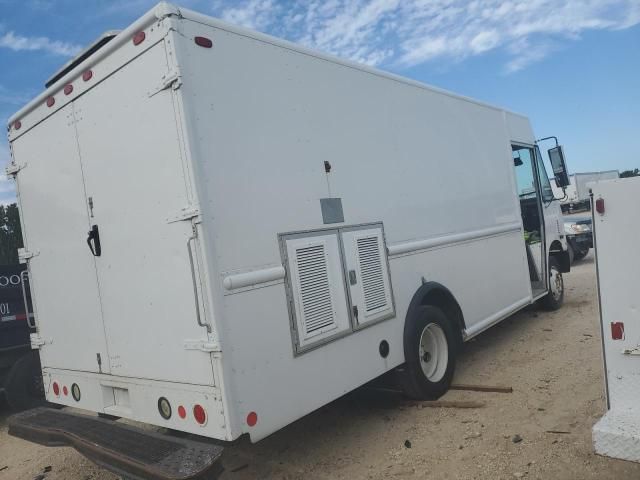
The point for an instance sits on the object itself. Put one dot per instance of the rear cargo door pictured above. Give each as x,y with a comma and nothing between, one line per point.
55,225
134,174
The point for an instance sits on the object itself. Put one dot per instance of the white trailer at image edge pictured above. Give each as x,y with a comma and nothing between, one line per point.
246,229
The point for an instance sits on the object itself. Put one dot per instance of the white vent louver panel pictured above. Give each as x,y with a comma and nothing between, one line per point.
317,288
370,287
371,274
315,291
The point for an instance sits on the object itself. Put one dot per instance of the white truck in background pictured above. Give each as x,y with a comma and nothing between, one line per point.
576,196
615,225
253,229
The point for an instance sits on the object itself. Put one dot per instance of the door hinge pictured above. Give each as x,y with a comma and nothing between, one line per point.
186,213
171,79
203,345
25,255
37,341
13,169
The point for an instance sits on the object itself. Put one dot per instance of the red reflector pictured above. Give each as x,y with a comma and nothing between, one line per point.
138,38
252,419
50,101
199,414
600,206
17,124
68,89
203,42
86,76
182,413
56,388
617,330
65,390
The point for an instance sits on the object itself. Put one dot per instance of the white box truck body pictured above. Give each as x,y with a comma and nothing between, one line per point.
615,222
226,231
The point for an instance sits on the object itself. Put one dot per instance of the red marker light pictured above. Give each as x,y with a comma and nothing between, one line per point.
203,42
199,414
56,389
65,390
68,89
182,412
17,124
138,38
86,76
50,101
617,330
252,419
600,206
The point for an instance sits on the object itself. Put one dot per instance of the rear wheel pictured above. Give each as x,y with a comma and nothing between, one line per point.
24,388
553,300
430,345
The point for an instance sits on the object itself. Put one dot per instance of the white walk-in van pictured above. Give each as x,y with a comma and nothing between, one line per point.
225,231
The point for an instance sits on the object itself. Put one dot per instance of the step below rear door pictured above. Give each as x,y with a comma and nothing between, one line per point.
134,175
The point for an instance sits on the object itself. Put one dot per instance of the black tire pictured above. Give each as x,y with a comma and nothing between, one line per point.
554,299
413,380
580,255
24,388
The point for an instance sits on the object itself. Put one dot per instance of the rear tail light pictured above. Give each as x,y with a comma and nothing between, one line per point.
252,419
56,389
199,414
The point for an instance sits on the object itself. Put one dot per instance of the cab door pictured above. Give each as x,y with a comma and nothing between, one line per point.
528,187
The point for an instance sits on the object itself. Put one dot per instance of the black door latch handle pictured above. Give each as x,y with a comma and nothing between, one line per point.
93,240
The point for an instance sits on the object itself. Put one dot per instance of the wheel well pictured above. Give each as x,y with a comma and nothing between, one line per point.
561,256
437,295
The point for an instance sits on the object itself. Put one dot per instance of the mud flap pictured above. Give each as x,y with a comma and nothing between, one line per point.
127,451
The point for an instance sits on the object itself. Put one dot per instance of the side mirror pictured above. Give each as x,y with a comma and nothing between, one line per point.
559,166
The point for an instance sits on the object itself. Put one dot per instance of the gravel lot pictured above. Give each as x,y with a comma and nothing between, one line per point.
552,361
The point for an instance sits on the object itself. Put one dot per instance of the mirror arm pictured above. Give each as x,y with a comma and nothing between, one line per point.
548,138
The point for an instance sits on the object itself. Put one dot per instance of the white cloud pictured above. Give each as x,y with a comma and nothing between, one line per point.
410,32
18,43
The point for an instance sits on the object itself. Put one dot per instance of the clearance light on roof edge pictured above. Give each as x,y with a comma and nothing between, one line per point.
203,42
17,124
86,76
50,102
138,38
68,89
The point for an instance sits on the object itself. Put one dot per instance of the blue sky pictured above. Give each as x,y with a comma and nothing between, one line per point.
572,66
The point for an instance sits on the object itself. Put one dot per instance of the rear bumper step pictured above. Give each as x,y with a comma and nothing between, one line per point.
125,450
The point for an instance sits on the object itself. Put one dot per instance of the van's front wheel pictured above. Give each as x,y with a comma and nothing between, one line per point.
430,354
553,300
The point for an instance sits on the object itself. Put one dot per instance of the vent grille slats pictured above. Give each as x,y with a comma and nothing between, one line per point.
315,289
373,285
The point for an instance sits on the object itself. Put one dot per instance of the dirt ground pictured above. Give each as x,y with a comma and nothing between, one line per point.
552,361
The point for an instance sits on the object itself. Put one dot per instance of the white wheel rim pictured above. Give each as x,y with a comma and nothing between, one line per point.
434,352
556,283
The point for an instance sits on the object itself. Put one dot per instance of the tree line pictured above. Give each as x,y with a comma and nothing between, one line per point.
10,234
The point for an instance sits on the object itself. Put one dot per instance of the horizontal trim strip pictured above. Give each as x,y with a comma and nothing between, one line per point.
407,247
239,280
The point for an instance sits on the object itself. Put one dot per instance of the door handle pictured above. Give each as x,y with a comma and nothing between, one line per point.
93,240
